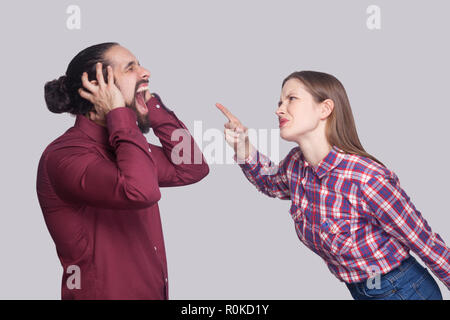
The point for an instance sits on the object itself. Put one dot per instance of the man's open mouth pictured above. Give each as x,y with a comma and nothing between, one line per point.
140,99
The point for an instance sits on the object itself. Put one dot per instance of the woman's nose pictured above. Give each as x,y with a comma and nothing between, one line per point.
279,111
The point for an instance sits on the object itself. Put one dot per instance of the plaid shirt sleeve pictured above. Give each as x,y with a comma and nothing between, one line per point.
267,177
398,217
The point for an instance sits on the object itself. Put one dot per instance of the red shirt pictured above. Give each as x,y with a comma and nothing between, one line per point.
98,188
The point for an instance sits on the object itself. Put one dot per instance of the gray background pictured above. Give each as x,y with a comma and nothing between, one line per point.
223,238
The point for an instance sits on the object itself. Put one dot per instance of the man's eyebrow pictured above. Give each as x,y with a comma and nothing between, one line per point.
129,64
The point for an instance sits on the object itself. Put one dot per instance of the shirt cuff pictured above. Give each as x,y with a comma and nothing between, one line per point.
250,162
120,118
157,111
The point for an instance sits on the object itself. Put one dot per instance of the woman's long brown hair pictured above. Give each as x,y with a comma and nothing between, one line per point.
340,128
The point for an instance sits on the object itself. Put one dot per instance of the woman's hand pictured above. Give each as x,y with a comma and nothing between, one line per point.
236,134
104,96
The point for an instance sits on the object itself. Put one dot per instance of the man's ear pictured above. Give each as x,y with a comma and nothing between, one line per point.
327,107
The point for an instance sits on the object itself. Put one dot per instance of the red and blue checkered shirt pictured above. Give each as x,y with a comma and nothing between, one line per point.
351,211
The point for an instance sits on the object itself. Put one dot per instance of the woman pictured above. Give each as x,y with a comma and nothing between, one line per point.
347,206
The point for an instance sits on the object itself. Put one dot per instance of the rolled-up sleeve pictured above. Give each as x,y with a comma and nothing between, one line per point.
266,176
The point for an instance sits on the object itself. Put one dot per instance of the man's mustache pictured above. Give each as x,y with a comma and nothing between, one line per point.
139,83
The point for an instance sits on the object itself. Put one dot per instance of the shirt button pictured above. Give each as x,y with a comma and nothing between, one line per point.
157,106
155,248
165,280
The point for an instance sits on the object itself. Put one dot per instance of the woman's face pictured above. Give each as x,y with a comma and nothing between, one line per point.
297,111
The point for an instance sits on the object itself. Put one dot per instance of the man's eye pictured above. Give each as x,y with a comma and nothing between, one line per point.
290,98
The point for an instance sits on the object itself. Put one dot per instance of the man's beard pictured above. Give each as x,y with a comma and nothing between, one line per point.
142,120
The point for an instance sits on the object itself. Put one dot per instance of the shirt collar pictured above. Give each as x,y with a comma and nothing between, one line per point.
331,161
95,131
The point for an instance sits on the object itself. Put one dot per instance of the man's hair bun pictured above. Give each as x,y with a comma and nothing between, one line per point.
56,95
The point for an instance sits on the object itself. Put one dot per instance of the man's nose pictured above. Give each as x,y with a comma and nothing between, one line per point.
145,74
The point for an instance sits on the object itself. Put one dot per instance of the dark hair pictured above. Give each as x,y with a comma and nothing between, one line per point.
61,95
340,127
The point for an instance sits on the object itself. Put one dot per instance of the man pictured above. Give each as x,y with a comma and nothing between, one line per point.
98,183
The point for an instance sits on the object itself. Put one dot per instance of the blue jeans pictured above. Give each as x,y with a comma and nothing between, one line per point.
409,281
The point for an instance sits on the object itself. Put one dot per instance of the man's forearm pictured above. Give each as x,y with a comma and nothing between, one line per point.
176,140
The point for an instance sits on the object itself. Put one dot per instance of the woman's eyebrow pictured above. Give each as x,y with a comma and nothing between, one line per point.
287,95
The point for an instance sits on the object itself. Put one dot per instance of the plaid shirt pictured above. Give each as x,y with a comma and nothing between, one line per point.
351,211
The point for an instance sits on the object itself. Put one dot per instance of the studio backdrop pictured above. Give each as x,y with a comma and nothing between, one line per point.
225,240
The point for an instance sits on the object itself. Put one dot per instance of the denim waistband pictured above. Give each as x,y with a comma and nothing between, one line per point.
392,274
404,265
